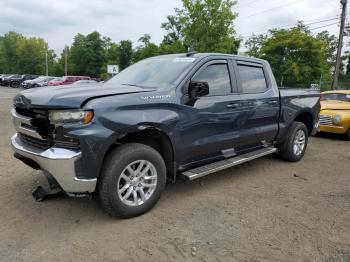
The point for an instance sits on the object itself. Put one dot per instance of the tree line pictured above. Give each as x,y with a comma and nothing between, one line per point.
297,57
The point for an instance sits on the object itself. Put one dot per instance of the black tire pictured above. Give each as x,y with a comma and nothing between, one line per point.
116,161
15,84
347,135
286,150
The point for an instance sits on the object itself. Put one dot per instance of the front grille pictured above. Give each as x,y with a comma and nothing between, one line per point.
33,127
35,142
38,121
68,144
24,112
326,120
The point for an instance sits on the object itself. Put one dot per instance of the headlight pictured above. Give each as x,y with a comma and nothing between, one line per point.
337,119
70,116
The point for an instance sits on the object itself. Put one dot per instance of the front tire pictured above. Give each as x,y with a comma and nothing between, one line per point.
294,146
15,84
132,180
347,135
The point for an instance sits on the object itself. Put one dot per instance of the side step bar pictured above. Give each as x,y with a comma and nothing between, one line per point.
226,163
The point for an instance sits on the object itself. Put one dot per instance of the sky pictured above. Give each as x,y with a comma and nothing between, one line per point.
58,21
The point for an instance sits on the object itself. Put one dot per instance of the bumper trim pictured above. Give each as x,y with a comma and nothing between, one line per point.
59,162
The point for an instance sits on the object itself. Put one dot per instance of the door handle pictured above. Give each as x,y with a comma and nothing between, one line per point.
272,102
232,105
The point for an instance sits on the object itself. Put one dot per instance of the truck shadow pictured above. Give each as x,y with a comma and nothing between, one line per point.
331,136
78,210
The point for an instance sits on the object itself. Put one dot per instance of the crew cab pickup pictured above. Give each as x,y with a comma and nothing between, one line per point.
182,115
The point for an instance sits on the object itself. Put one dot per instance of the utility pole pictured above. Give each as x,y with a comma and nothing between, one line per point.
65,60
46,65
340,44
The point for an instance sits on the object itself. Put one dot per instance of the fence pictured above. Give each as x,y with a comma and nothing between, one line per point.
325,86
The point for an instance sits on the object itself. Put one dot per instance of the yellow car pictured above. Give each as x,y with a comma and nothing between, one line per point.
335,112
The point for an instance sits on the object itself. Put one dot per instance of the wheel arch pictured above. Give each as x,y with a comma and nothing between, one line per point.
307,119
155,138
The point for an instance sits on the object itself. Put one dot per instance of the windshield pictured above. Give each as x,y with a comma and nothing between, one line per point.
335,96
40,78
15,76
153,72
57,79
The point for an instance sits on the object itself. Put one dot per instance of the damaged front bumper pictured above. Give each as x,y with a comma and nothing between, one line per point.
58,162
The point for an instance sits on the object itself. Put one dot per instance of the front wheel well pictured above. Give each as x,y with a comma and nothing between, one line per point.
307,119
156,139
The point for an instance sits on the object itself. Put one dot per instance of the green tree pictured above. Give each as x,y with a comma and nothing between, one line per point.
172,48
146,49
31,56
88,55
124,54
205,25
96,54
173,27
331,43
10,44
22,55
296,57
59,65
254,44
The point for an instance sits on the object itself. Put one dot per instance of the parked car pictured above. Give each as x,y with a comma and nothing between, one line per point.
26,83
16,80
4,78
67,80
84,82
335,112
1,77
97,79
183,115
37,82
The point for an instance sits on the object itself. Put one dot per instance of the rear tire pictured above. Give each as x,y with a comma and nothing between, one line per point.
128,170
294,146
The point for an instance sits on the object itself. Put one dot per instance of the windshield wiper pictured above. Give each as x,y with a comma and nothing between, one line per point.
128,85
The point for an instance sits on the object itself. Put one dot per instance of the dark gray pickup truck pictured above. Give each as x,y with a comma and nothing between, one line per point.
183,115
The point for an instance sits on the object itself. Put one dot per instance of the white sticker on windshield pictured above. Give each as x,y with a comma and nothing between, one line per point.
184,59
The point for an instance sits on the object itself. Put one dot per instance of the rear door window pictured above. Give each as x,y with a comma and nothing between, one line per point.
252,79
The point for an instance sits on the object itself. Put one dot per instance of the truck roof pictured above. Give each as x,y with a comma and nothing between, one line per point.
203,55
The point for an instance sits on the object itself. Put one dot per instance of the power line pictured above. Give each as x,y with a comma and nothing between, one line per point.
324,26
244,4
326,20
310,22
271,9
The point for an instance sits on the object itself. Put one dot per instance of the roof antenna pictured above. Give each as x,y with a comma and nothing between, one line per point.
191,51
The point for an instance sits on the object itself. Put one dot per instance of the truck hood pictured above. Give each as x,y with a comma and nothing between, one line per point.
71,96
335,105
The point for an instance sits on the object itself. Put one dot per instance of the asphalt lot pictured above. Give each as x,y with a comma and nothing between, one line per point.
265,210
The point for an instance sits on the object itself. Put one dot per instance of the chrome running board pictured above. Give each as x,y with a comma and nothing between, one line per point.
226,163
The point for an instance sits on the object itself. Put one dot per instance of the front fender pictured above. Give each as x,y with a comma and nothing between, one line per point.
109,126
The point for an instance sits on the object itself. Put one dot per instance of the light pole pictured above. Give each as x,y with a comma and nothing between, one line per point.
46,65
65,60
